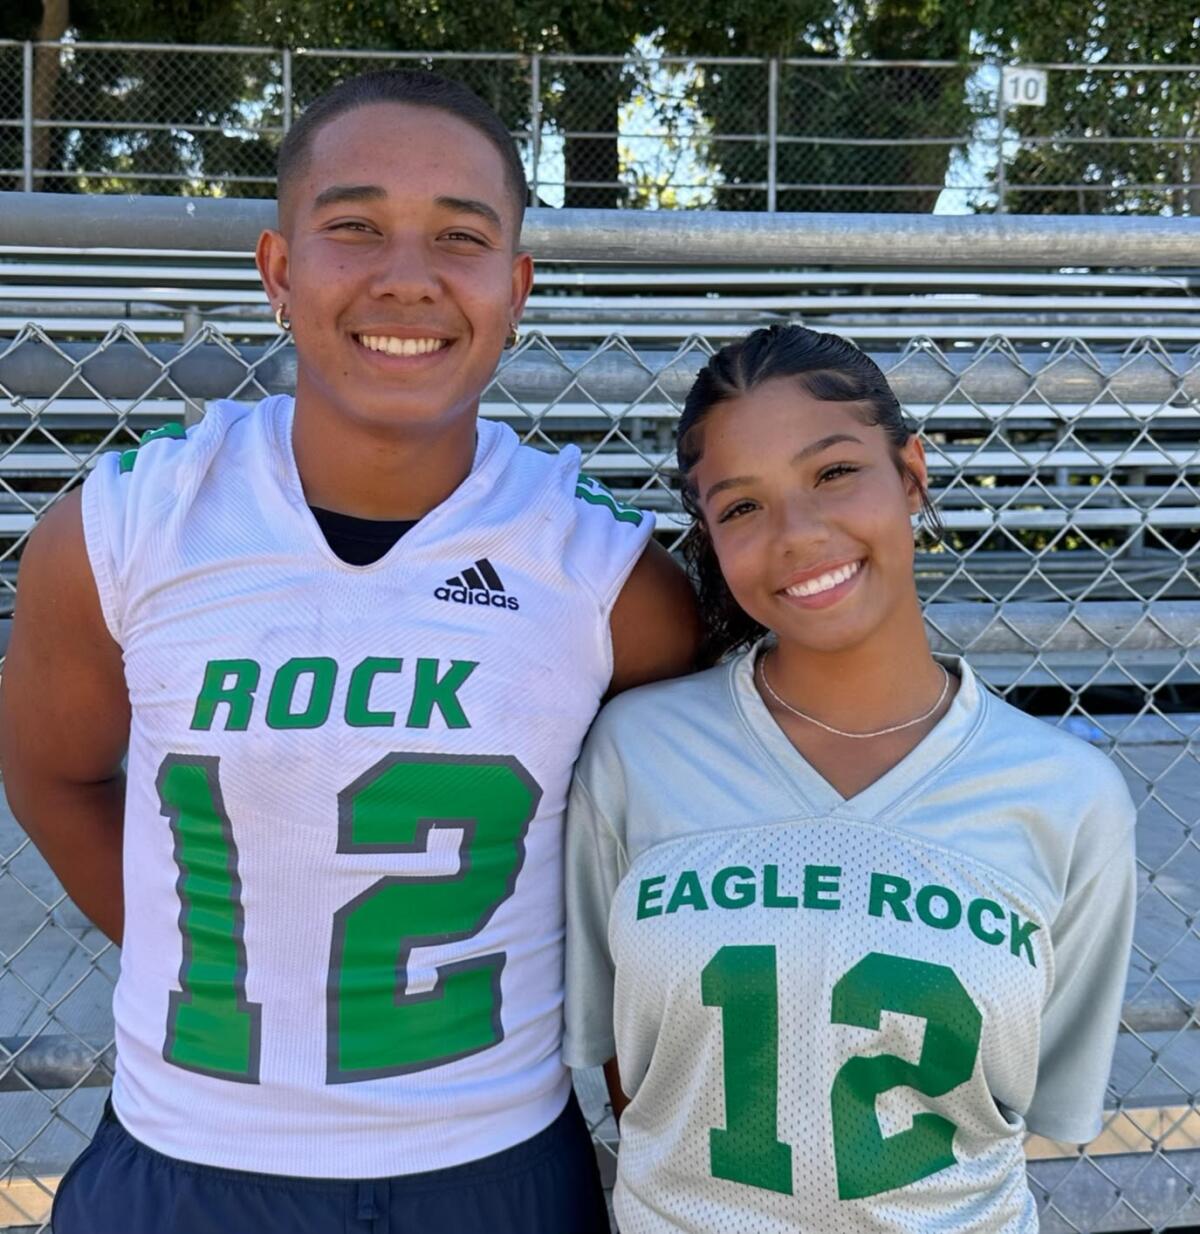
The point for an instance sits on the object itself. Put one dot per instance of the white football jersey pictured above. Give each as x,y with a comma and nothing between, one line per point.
343,829
839,1015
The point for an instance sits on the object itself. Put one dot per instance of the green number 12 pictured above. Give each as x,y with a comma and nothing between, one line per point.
742,982
211,1027
376,1026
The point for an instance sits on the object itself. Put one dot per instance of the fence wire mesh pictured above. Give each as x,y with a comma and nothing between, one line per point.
12,102
1068,576
641,130
1112,141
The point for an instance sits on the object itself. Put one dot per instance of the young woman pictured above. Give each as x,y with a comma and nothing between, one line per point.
850,923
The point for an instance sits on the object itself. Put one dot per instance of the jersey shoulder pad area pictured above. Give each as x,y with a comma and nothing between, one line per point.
1090,804
591,491
662,716
606,536
136,499
128,458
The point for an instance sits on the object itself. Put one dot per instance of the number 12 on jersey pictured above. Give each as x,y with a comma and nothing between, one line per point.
374,1027
742,981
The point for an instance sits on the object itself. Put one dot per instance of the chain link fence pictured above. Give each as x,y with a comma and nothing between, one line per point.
1111,139
1068,476
635,131
1068,576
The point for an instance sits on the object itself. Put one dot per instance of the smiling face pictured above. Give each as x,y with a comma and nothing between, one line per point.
397,262
808,509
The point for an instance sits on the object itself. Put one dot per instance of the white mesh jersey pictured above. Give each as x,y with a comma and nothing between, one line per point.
343,831
841,1015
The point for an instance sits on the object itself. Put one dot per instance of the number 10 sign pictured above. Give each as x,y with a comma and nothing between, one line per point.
1022,87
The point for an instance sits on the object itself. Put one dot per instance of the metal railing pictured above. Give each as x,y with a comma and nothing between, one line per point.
733,239
1069,481
641,130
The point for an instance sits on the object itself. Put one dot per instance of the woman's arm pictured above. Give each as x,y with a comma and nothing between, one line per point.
1091,939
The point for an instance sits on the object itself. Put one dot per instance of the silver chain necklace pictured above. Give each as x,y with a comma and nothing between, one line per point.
880,732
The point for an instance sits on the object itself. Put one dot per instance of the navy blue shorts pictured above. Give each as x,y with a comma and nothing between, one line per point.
546,1185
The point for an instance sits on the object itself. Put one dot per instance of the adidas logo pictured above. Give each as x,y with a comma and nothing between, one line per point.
477,584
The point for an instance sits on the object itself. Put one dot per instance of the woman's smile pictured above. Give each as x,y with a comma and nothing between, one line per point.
823,586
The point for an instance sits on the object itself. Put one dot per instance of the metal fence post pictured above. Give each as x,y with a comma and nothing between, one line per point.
772,130
27,119
535,121
1001,179
193,323
287,88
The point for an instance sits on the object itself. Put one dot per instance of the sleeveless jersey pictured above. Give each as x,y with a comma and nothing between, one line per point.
345,788
838,1015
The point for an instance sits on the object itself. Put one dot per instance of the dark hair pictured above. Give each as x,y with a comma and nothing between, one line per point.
414,88
830,369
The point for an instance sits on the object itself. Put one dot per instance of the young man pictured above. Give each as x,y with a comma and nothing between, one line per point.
351,645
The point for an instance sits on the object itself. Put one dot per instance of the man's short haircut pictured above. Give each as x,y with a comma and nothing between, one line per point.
413,88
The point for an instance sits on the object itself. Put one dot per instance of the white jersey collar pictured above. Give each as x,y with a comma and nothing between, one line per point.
495,445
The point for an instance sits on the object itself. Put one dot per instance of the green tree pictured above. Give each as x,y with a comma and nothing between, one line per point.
821,102
28,19
579,99
1124,173
213,110
204,105
214,107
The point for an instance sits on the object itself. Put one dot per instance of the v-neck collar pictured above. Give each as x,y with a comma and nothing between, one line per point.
812,791
495,444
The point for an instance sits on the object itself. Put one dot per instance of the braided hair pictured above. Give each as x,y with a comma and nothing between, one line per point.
829,369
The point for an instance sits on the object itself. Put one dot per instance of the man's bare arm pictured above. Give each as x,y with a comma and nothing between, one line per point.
64,719
655,623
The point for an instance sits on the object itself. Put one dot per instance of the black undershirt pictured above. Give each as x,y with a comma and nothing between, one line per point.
359,541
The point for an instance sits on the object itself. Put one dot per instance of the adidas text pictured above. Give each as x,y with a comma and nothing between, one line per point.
477,584
489,599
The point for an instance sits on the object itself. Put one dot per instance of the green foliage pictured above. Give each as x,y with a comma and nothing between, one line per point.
225,94
189,93
829,101
19,19
579,98
1125,177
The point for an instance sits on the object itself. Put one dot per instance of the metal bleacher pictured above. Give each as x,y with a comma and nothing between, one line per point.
610,353
85,292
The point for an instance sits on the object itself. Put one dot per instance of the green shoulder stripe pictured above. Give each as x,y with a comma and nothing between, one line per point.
129,457
595,494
